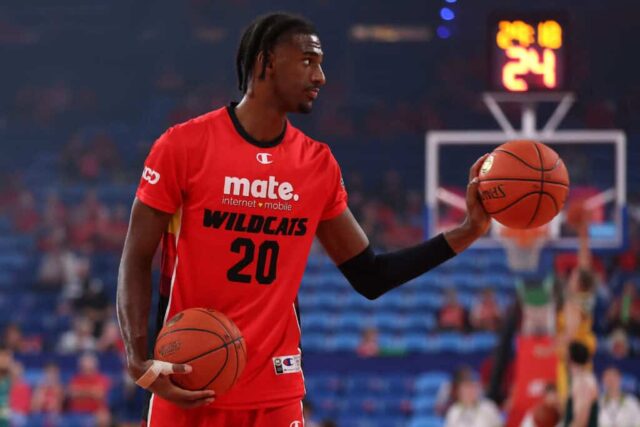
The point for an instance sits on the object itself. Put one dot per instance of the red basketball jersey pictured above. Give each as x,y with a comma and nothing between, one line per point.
245,214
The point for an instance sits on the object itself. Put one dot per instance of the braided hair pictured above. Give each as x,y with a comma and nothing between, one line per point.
262,36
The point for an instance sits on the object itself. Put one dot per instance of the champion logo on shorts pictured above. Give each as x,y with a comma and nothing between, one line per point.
296,423
287,364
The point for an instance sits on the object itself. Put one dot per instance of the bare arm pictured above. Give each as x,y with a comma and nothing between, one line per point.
134,302
584,253
134,281
583,398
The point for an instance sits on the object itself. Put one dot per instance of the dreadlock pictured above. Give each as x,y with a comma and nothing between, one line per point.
262,36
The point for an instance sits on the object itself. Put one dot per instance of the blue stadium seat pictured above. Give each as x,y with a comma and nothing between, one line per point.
430,382
424,403
345,341
417,342
426,421
377,421
401,385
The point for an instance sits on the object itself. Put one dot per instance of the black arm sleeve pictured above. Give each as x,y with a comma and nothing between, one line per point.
372,275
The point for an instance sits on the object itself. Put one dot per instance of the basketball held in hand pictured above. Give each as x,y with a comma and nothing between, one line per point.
209,342
523,184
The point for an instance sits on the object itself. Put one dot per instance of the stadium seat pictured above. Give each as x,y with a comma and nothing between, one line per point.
426,421
429,382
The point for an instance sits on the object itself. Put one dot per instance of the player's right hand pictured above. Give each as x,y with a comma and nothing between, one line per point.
166,389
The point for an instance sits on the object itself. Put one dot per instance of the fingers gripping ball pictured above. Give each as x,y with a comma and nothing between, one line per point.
523,184
209,342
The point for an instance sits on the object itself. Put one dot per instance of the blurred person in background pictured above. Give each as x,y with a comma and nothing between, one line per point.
618,344
88,389
575,317
18,343
93,304
369,346
110,340
308,414
624,312
25,215
486,313
547,412
447,393
616,408
79,339
470,408
19,397
48,396
452,316
6,365
582,406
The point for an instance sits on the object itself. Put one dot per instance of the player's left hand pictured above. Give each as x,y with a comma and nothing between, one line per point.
477,220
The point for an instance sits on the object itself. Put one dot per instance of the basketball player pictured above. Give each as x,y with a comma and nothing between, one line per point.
237,196
575,319
582,406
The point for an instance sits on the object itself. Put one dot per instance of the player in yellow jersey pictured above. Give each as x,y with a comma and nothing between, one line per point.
575,317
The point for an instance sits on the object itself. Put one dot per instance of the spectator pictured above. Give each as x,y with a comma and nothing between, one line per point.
88,389
25,215
48,396
17,343
617,409
60,268
452,315
93,304
369,346
618,344
307,413
112,228
485,314
111,340
546,412
6,364
470,409
19,397
79,339
447,393
625,310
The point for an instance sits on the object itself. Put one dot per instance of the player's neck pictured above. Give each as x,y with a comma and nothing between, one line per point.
260,119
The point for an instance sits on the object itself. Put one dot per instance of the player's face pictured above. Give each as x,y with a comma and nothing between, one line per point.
297,72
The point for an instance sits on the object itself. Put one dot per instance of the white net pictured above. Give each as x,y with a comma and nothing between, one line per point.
523,247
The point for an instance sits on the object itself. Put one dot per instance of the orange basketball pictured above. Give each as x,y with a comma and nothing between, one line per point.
208,341
523,184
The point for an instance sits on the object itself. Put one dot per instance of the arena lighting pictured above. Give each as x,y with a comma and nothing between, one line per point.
447,14
443,32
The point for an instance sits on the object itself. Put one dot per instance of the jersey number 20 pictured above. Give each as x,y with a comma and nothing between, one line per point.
267,261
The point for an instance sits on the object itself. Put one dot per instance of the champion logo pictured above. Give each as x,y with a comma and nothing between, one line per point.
150,175
264,158
296,423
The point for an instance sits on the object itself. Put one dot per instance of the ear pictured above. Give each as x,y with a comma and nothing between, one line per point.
260,60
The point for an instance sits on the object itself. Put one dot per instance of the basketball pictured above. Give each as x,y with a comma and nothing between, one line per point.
545,416
523,184
209,342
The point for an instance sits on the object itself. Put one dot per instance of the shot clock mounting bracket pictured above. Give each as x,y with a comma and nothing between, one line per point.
528,103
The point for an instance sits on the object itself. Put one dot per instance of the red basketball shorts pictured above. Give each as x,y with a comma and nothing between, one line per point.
165,414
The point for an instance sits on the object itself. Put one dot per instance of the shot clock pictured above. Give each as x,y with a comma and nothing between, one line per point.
527,52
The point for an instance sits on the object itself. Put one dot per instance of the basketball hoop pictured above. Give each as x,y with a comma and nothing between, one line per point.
523,246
